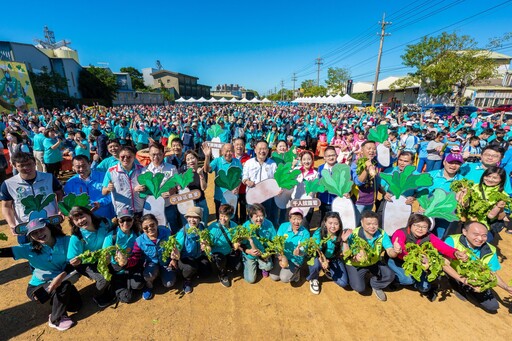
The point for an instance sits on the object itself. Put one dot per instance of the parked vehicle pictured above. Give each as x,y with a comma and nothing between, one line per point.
503,107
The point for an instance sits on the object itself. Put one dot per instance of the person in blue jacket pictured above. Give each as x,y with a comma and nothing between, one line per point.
47,241
90,181
148,249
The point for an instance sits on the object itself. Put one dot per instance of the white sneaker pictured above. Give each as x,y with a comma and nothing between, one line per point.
314,286
64,324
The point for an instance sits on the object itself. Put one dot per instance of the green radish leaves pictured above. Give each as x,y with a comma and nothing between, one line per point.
439,205
37,203
71,200
183,180
230,179
339,182
313,186
289,156
154,184
215,131
286,177
400,182
379,134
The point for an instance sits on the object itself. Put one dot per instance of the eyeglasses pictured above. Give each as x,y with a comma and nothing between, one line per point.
418,226
125,220
126,157
147,228
330,155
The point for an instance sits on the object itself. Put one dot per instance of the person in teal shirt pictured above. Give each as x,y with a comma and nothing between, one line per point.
82,146
222,246
46,254
295,234
254,248
224,162
52,153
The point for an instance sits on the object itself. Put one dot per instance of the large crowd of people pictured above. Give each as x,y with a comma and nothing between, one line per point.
242,147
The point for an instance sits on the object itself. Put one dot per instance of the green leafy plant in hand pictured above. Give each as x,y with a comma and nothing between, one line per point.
71,200
497,196
379,134
361,165
287,157
423,258
339,182
478,274
230,179
285,177
312,249
356,245
401,182
37,203
168,248
439,205
274,246
204,238
240,233
215,131
102,258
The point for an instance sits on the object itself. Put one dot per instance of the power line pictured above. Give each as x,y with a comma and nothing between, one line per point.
318,63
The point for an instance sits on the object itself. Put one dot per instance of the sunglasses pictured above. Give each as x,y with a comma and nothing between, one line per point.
125,220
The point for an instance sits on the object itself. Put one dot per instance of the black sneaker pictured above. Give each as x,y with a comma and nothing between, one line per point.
187,287
431,295
224,280
104,302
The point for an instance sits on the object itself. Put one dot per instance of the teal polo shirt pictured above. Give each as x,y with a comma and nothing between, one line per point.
219,164
292,241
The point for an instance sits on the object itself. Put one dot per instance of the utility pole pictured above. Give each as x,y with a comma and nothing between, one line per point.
282,90
383,33
318,63
294,79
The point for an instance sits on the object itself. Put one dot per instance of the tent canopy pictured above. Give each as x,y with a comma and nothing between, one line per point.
349,100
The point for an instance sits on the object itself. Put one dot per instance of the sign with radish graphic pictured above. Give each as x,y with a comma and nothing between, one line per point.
439,205
215,132
35,205
380,135
71,200
229,181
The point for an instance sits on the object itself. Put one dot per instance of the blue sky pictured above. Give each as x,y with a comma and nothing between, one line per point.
254,44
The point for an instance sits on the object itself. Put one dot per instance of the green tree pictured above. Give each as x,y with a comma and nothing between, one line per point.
136,76
363,96
256,94
307,84
98,84
337,78
447,64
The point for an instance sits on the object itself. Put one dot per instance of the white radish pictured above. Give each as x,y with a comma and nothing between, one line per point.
395,214
262,191
347,211
156,206
383,155
283,199
185,205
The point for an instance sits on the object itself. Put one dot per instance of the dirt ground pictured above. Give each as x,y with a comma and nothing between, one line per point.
263,311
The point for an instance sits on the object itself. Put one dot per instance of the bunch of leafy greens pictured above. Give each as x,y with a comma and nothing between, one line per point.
338,181
102,258
285,177
204,238
479,274
71,200
312,248
358,244
414,264
401,182
168,247
230,179
439,205
240,233
274,246
361,165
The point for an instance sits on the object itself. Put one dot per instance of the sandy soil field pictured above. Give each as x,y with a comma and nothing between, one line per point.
263,311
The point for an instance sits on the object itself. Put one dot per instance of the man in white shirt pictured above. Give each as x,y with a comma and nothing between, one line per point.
256,170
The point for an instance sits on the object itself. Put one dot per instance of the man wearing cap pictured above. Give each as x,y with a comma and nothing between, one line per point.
91,182
27,182
39,149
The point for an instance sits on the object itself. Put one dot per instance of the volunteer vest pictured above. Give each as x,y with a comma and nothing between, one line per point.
409,238
123,195
20,189
153,250
487,251
372,258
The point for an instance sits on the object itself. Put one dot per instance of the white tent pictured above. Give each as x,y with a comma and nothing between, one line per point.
233,100
212,100
191,100
222,100
255,100
349,100
244,100
180,100
202,99
266,100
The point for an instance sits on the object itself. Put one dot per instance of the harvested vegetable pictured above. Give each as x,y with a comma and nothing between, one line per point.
240,233
204,239
102,258
423,258
275,247
478,274
359,246
361,165
312,249
169,246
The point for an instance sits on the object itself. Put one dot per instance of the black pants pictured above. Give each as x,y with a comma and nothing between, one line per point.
382,276
64,298
485,300
91,271
190,267
123,285
242,209
223,263
53,168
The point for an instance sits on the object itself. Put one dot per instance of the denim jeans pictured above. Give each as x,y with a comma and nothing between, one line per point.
336,268
422,286
252,265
